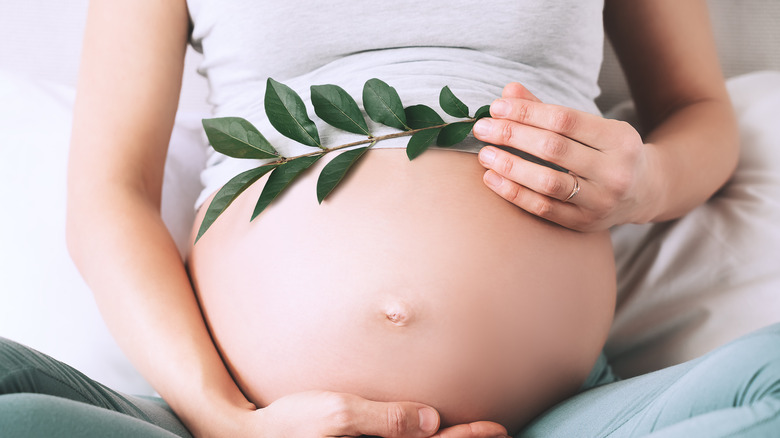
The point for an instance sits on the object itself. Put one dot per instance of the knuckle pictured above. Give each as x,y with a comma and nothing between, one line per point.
563,120
542,207
396,420
507,133
552,184
601,208
505,165
340,412
522,111
513,194
553,147
621,125
627,129
510,191
630,140
621,183
602,213
583,222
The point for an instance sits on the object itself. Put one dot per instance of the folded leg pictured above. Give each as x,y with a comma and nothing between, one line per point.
40,396
732,391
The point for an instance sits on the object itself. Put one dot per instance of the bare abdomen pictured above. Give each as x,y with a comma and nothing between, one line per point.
413,282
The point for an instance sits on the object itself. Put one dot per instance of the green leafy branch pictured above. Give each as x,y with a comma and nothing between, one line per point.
238,138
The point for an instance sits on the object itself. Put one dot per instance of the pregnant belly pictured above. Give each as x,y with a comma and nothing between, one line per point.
411,282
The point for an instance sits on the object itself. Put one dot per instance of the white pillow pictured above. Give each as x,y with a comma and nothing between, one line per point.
44,303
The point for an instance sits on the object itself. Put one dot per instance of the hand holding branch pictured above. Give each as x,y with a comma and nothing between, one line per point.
611,172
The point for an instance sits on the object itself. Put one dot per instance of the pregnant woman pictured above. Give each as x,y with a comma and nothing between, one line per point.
414,281
459,294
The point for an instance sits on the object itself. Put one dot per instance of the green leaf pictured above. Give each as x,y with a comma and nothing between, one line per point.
237,138
422,116
284,174
337,108
454,133
228,193
420,142
383,104
334,171
482,112
287,113
451,104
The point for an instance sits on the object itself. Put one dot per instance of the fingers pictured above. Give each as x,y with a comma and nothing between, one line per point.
540,143
518,91
538,178
332,414
391,420
543,206
583,127
404,419
480,429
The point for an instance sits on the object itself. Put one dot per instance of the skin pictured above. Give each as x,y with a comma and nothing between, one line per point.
126,102
413,281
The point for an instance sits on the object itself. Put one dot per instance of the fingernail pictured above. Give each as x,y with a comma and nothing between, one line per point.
499,108
482,127
429,421
487,156
493,179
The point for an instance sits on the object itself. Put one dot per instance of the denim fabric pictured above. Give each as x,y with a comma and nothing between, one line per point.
733,391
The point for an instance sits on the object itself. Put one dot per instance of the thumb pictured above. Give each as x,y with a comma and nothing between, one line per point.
395,419
518,91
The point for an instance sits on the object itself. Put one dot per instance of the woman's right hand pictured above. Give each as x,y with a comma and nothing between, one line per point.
329,414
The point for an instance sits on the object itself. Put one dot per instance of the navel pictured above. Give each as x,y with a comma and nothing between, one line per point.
398,313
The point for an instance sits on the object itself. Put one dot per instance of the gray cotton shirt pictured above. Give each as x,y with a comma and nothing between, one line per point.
554,48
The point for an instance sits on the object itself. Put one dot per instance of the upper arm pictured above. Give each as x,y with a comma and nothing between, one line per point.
128,91
667,52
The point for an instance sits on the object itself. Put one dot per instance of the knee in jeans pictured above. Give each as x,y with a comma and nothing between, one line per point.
762,345
31,405
21,369
756,358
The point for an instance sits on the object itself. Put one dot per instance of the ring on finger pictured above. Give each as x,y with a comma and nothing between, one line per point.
576,188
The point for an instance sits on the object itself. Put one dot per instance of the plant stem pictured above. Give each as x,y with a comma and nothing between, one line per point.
369,140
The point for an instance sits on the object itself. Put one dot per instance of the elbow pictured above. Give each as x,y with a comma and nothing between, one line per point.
734,153
731,144
82,218
74,230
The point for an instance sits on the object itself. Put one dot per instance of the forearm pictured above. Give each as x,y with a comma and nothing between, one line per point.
128,258
669,56
696,149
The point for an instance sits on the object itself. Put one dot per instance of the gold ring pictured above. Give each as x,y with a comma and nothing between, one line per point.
576,188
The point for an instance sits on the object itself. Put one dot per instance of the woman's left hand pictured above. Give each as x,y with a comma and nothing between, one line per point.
611,172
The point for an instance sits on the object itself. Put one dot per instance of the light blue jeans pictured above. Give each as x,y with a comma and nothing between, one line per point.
733,391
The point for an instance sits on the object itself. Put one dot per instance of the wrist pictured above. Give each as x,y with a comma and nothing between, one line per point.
215,415
220,420
653,190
